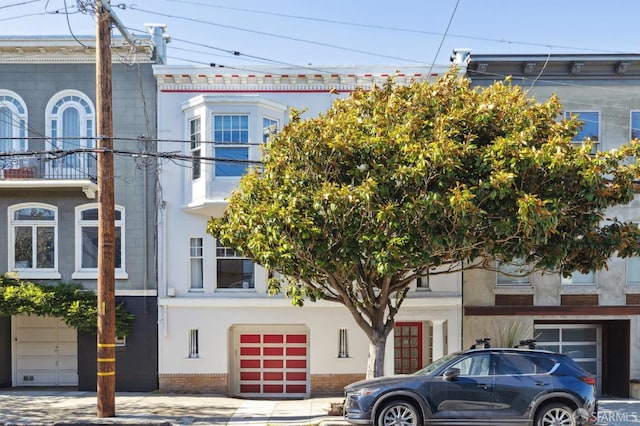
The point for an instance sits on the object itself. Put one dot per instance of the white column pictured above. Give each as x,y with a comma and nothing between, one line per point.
437,336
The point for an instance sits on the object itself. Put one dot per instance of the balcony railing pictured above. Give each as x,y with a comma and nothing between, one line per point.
80,166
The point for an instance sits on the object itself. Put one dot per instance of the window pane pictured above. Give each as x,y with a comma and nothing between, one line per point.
635,125
23,247
46,247
633,270
590,125
196,273
34,213
89,247
579,334
547,335
235,273
231,168
90,214
118,253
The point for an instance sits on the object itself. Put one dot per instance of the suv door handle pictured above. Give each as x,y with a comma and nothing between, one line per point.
483,386
541,383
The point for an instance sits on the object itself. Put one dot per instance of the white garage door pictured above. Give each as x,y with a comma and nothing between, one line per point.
45,352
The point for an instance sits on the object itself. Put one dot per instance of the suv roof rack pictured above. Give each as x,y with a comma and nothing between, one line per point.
528,344
484,342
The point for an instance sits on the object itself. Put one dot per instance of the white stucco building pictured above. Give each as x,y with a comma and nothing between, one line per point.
219,330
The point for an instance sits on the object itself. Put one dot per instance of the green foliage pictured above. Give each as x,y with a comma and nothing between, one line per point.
71,302
390,183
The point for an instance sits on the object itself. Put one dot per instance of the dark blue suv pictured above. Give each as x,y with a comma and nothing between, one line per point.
491,386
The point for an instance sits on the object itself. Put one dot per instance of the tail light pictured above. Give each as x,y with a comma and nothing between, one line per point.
590,380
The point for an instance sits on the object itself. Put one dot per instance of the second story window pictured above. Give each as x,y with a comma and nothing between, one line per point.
196,259
578,278
269,128
33,237
87,241
516,272
13,127
70,126
234,271
590,127
196,148
231,142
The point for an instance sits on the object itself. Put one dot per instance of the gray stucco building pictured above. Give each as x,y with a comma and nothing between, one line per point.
49,201
595,317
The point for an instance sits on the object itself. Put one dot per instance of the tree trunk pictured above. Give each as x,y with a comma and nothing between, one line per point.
375,363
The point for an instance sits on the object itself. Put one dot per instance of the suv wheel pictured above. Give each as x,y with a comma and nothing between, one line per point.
399,413
555,414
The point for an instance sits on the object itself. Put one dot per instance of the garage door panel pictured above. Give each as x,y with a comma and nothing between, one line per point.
36,363
38,335
68,348
67,335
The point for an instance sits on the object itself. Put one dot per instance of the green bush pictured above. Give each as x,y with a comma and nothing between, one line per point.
77,306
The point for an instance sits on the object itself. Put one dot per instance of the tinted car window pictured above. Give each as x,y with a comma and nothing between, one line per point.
474,365
514,363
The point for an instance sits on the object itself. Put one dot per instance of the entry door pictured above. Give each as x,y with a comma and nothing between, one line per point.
407,347
271,361
45,352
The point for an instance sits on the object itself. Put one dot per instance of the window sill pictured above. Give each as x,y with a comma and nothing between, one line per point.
93,275
39,275
579,289
514,289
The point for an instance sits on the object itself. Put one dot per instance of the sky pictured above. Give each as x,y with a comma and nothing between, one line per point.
346,32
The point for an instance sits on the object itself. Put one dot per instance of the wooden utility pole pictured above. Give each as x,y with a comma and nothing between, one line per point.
106,351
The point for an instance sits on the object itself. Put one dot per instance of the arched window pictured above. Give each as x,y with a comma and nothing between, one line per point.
13,127
33,240
71,126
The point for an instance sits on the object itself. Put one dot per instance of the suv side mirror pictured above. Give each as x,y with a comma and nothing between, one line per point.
450,374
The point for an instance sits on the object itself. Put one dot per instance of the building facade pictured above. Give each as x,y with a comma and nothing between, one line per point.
594,317
219,330
49,202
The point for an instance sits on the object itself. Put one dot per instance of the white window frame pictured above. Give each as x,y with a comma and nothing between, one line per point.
343,342
270,126
632,271
55,109
196,254
235,145
228,253
35,272
195,150
19,125
516,267
572,282
193,350
597,143
92,273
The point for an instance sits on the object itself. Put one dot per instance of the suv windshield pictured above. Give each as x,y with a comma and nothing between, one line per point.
436,364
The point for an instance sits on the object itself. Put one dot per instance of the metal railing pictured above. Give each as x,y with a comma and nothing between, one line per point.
80,166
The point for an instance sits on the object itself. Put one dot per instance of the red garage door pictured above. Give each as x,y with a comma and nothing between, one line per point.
273,363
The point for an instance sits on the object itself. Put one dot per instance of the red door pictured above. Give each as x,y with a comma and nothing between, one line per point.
407,345
273,364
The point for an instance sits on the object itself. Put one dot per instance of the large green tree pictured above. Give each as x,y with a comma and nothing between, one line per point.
353,205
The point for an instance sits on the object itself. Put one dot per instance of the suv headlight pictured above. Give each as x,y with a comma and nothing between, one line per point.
363,391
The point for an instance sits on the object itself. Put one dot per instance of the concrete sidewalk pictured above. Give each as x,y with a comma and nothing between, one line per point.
54,407
68,407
